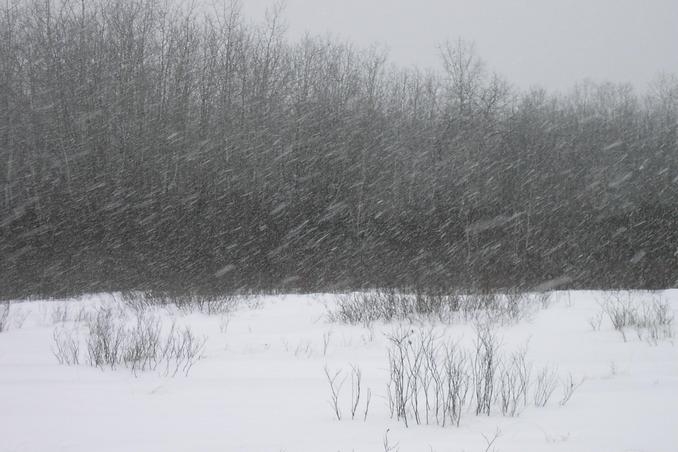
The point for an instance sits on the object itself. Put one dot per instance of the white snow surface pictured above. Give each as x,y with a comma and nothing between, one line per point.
261,386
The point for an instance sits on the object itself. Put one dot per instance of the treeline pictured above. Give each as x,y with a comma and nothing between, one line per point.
146,145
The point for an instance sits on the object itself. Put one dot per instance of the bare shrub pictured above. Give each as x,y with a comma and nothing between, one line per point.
435,381
388,447
252,301
224,322
336,383
399,385
596,321
456,386
436,302
356,388
304,349
368,398
367,307
137,301
143,343
16,317
652,319
208,304
327,335
112,342
429,380
105,339
66,346
621,311
514,383
4,315
181,351
84,314
655,321
61,313
545,299
489,441
485,366
545,385
476,305
513,308
569,386
488,306
390,305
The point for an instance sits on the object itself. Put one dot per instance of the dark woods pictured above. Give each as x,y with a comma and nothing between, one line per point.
147,146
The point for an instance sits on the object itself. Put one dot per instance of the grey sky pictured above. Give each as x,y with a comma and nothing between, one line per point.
550,43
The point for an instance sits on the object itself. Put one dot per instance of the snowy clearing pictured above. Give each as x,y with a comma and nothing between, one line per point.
262,382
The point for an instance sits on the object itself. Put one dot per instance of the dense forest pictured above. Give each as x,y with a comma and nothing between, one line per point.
148,145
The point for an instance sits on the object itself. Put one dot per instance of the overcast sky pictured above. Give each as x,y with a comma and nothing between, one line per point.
549,43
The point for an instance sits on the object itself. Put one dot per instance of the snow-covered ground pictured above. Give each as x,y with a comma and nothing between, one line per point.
261,385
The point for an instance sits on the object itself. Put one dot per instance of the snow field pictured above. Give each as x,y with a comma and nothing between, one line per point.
261,383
